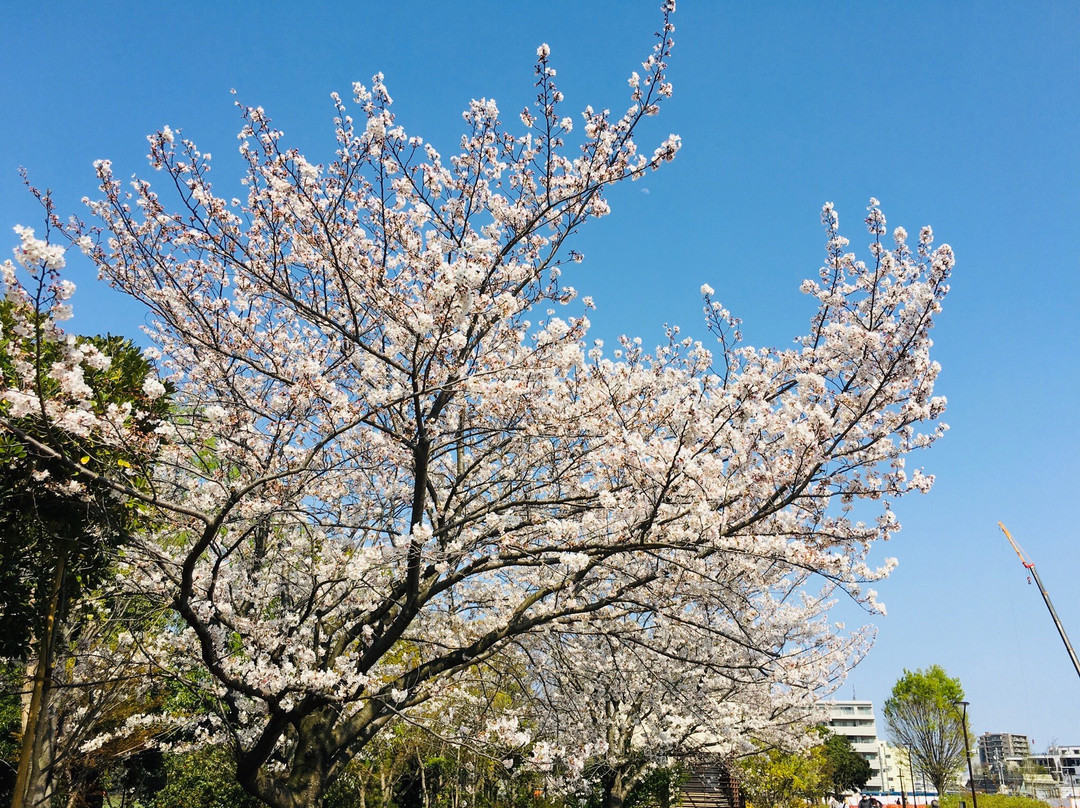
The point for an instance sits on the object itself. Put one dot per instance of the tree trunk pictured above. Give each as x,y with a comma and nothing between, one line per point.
43,773
86,789
455,799
939,784
307,779
33,778
615,790
423,781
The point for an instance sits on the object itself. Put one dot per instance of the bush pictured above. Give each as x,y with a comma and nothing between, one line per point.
992,801
204,778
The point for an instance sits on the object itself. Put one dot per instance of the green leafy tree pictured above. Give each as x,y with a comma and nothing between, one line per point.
922,715
60,519
846,769
775,778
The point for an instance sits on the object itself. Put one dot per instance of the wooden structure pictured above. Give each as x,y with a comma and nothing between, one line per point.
711,785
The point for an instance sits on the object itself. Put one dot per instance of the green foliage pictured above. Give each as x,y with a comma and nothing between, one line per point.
204,778
346,790
846,769
931,686
45,529
658,789
774,778
922,715
11,680
992,801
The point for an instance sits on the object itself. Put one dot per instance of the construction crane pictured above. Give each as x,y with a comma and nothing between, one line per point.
1030,565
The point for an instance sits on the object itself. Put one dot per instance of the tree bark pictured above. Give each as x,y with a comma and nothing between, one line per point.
307,780
423,780
615,790
33,778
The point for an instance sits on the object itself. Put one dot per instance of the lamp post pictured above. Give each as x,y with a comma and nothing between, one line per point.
967,753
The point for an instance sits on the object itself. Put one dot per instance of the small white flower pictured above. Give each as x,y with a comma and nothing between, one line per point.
98,361
214,413
61,312
153,388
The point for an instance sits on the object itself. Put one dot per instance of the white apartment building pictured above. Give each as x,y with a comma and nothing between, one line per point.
894,768
1063,762
897,773
855,721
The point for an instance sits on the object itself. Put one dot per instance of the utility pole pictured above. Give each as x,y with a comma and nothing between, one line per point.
911,768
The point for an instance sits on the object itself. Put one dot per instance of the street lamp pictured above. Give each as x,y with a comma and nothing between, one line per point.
967,753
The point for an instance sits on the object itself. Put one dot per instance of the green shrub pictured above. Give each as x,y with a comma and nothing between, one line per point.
204,778
992,801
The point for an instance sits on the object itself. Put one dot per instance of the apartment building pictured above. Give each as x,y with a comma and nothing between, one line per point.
999,747
855,721
1063,762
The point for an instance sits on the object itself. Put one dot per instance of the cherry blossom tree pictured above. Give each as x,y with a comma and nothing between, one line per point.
678,681
394,453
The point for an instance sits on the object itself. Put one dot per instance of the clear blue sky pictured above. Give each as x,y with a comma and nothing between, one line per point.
963,115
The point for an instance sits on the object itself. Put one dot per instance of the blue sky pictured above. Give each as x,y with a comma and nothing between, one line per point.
964,116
